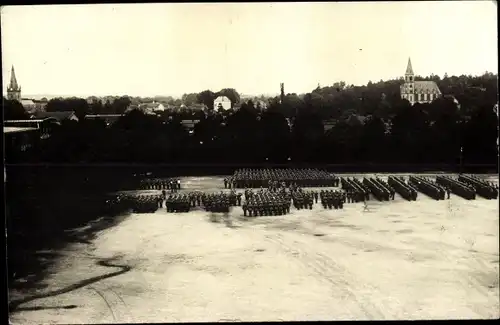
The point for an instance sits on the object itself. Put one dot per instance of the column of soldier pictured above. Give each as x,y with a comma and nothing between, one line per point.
138,203
255,178
276,199
212,202
149,203
161,184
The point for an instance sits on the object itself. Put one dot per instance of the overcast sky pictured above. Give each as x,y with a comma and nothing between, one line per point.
171,49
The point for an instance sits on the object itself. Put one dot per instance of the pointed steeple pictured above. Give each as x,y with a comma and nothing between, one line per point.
13,81
13,89
409,69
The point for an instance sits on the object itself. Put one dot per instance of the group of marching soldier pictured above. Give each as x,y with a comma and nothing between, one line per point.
445,189
332,199
161,184
138,203
266,203
255,178
283,188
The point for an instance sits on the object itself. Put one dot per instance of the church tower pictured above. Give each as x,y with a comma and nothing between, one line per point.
13,89
410,83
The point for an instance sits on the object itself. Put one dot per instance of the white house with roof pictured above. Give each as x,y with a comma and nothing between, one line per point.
222,101
418,91
150,108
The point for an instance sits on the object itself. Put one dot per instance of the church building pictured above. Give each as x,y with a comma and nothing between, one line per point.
418,91
13,89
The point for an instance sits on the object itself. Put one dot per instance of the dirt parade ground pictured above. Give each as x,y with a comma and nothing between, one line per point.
398,260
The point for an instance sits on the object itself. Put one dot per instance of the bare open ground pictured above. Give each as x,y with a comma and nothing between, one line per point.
399,260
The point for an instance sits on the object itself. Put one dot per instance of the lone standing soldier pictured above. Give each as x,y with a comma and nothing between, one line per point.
225,182
448,191
159,201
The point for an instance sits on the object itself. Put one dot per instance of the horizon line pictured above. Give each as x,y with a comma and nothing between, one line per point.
179,96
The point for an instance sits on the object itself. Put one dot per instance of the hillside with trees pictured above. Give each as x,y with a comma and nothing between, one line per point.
337,124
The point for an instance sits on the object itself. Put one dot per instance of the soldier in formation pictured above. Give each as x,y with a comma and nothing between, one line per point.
302,199
414,191
117,204
161,184
271,178
355,196
392,192
355,190
217,203
235,198
195,198
229,182
145,203
331,198
178,203
266,203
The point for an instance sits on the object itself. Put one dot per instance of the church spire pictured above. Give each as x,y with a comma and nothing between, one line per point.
409,69
13,81
13,89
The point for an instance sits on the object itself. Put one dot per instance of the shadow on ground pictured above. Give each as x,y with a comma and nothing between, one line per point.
48,209
32,254
14,305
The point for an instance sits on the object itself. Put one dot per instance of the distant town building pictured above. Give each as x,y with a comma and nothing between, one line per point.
40,104
13,89
14,93
28,104
222,102
150,108
59,116
418,91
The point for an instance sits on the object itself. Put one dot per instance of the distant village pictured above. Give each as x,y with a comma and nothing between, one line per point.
36,108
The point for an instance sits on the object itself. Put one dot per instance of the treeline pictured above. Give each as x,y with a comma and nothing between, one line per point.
336,125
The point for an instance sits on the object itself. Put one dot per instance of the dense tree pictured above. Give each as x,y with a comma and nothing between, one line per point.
78,105
232,94
368,123
189,99
13,110
207,98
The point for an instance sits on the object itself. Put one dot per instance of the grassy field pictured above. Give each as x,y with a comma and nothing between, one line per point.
399,260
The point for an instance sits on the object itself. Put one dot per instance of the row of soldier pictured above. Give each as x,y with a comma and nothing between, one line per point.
160,184
256,178
266,203
137,203
444,189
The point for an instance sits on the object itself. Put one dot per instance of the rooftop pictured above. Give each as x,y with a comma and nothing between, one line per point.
57,115
12,129
26,121
27,102
222,99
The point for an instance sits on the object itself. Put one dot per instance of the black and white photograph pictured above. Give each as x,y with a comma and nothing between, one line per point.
251,162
